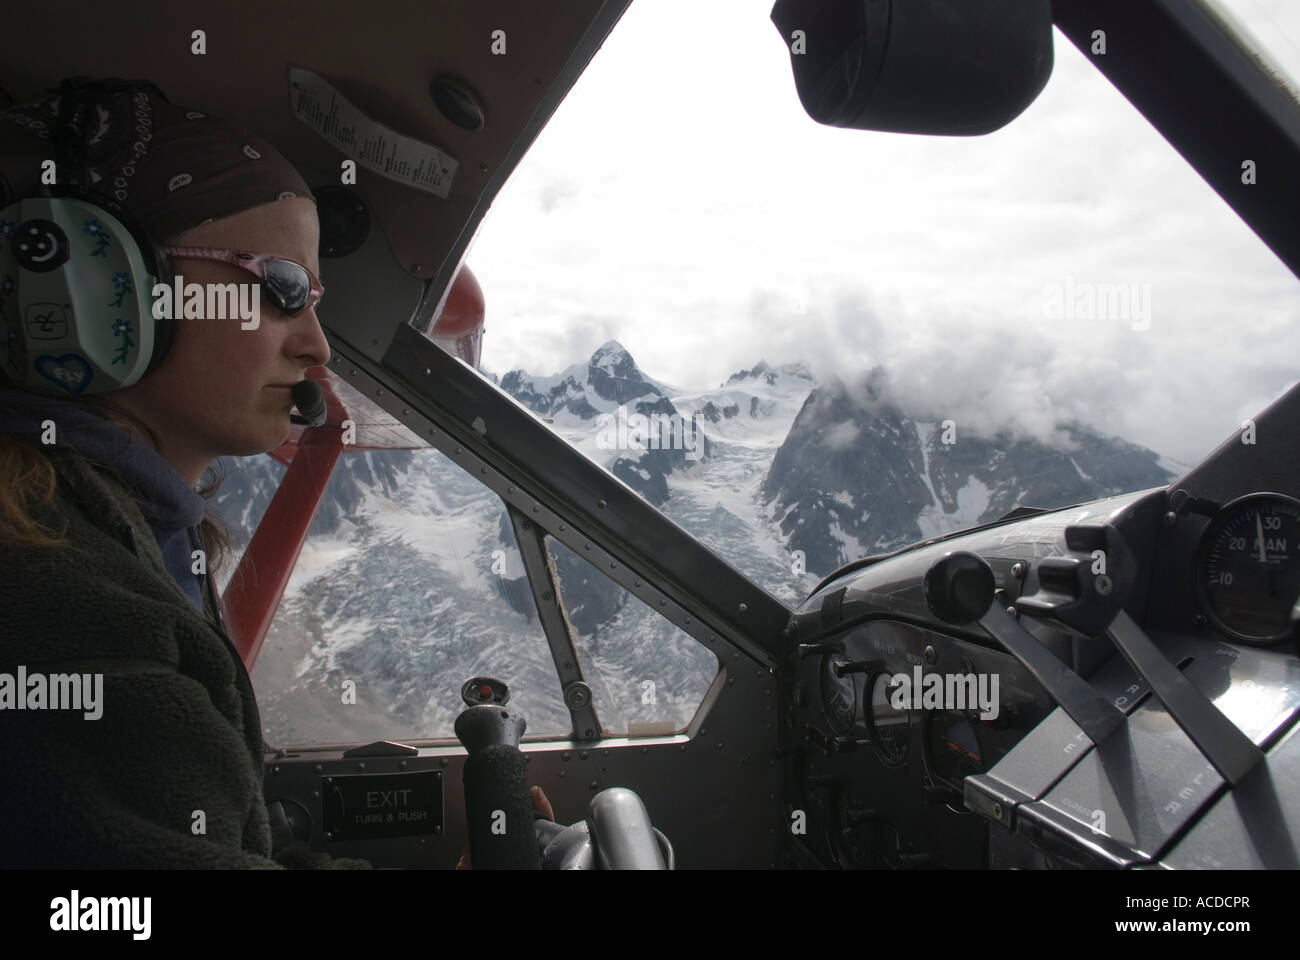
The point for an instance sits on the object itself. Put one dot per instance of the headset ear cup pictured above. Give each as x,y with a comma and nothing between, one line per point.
159,265
134,273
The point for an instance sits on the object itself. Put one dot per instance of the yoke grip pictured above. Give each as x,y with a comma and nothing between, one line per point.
498,812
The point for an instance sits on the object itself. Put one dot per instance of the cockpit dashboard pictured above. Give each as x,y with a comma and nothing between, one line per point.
917,742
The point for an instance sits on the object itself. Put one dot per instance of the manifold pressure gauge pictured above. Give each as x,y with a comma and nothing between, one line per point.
1248,568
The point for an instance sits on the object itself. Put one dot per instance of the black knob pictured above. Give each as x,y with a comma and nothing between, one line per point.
959,588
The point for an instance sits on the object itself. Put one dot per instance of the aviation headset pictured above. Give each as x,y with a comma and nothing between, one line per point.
76,280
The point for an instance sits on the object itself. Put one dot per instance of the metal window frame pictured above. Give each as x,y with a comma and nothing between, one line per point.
1195,82
551,489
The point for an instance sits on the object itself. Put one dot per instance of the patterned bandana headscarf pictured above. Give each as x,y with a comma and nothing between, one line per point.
169,167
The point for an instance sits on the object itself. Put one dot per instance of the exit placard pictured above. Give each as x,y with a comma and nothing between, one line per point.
382,805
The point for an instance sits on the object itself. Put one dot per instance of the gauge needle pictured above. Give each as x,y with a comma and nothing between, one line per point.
1259,530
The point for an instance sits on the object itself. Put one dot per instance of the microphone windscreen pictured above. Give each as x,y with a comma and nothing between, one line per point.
310,401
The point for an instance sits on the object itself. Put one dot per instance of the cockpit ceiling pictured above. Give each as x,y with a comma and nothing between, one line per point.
380,57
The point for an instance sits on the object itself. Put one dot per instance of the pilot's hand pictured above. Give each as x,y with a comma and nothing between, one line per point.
540,804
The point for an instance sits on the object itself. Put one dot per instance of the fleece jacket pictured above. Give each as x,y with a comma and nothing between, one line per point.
169,774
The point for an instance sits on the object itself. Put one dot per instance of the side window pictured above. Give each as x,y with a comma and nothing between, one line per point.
648,677
245,491
407,585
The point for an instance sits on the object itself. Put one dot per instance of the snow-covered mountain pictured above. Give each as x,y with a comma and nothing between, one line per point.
857,476
410,581
595,406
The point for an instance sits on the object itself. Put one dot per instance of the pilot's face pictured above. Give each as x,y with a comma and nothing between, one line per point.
214,393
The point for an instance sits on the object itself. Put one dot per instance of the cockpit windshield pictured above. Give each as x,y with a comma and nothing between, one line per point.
804,345
883,337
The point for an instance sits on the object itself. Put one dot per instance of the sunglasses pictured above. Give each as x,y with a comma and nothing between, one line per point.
289,285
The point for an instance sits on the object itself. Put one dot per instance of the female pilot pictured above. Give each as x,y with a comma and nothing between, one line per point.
97,527
99,515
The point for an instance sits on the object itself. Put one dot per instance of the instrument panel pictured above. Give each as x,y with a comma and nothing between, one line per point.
911,742
896,715
900,714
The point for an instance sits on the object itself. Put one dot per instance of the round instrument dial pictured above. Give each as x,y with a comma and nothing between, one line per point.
953,749
839,694
891,727
1248,568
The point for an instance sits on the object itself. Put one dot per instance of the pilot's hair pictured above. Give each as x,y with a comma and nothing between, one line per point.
28,480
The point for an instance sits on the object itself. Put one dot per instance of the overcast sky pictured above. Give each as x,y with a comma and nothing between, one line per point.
683,203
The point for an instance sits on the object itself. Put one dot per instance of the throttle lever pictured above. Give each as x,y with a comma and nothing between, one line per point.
1232,752
959,589
1084,592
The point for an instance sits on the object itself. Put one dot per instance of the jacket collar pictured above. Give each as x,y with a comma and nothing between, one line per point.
112,509
106,500
166,502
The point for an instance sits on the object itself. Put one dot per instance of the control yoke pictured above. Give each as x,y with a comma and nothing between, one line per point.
505,833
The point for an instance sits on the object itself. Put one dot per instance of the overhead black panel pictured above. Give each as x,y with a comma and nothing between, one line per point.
940,67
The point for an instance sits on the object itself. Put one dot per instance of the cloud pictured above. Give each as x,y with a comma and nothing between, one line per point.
554,192
841,436
704,239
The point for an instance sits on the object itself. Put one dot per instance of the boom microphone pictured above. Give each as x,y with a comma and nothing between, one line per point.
310,401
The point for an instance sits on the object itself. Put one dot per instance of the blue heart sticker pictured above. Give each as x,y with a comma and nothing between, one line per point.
69,371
